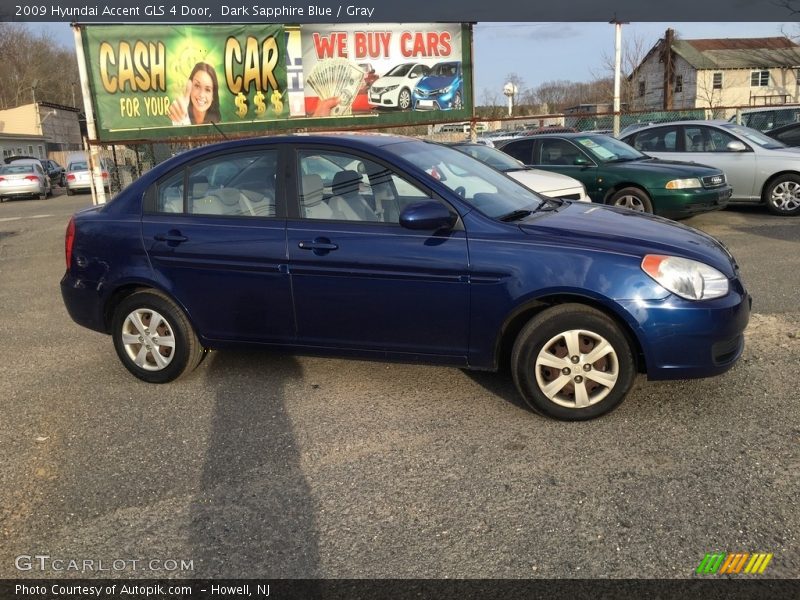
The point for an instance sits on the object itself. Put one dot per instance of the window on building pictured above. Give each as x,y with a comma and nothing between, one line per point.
641,88
40,150
716,82
30,150
679,83
759,79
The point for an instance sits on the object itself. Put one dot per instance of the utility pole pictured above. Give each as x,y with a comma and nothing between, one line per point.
617,69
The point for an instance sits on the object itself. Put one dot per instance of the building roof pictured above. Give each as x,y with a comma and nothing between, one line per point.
738,53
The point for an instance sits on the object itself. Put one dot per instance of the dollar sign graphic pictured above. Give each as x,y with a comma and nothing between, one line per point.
241,105
277,104
261,108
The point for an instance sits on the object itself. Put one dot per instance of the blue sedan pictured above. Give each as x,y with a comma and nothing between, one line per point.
392,248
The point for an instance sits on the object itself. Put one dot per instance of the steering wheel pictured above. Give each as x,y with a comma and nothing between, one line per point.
461,191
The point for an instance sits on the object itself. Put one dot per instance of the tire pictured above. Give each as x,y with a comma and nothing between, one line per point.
43,196
782,196
404,99
160,362
590,389
457,102
70,192
633,199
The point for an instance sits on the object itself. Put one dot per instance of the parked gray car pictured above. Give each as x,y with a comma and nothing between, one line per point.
79,177
759,168
24,178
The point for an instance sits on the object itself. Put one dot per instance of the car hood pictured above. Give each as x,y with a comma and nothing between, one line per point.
625,231
667,168
387,81
435,83
543,181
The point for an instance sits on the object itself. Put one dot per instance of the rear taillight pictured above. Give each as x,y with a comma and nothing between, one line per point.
2,178
69,241
31,178
71,177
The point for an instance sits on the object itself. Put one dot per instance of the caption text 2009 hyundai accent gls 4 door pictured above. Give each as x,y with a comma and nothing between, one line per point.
386,247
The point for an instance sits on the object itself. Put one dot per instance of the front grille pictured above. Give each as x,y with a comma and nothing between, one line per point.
712,181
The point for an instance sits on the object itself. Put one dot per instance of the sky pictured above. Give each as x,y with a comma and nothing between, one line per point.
541,52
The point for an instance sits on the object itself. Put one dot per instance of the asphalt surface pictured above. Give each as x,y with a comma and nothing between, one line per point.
261,465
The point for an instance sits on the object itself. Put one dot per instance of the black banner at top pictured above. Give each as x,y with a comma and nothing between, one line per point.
380,11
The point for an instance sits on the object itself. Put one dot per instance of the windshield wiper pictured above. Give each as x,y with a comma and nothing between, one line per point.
515,215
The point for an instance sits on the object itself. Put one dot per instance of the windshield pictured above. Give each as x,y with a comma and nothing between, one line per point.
400,70
488,190
754,136
607,149
491,156
445,70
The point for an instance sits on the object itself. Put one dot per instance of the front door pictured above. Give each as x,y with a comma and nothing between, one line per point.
359,279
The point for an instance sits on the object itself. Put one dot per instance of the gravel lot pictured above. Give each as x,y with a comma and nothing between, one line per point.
260,465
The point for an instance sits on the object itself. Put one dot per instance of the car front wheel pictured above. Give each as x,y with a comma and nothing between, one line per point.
154,339
782,195
404,99
633,199
572,362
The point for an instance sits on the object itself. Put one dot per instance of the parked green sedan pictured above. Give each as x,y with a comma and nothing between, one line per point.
615,173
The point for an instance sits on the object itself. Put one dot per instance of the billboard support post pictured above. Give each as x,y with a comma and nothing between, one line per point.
98,191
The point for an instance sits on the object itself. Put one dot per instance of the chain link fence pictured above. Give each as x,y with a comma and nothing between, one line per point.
127,161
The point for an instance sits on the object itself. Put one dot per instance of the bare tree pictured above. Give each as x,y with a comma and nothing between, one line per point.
633,52
32,61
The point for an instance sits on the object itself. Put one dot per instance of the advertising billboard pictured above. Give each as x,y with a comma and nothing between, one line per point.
168,81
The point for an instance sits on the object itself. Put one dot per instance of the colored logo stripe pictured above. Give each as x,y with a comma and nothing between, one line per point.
733,563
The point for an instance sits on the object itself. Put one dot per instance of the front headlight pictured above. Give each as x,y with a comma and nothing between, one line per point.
390,88
686,278
684,184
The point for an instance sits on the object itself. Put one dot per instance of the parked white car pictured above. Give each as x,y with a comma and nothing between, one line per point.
394,89
554,185
759,168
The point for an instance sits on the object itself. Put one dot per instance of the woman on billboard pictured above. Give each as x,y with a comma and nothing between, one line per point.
200,102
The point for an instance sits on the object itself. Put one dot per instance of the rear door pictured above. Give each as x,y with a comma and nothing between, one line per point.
216,239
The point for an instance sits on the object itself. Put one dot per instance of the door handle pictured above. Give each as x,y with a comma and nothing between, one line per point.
319,246
174,237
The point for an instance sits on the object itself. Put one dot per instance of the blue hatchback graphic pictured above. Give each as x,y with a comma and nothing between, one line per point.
441,89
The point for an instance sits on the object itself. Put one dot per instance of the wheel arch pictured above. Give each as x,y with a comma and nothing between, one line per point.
621,185
131,287
523,313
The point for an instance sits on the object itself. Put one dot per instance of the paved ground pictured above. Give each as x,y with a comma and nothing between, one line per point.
270,466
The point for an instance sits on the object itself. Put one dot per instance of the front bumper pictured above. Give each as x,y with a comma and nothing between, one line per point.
682,339
684,203
434,101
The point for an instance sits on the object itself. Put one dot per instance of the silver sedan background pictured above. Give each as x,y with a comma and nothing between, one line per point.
23,179
759,168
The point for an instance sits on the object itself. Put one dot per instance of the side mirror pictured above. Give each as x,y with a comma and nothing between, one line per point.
427,215
581,161
736,146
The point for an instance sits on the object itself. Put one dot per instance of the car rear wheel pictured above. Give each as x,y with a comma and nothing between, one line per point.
457,101
782,195
154,339
633,199
572,362
404,99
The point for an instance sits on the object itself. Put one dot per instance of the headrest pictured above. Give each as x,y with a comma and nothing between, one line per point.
312,189
345,182
198,186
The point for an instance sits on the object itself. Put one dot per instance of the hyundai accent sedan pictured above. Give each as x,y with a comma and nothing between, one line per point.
252,242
